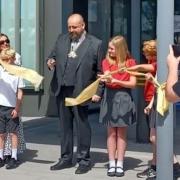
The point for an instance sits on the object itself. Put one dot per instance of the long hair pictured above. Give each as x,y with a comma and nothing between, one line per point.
121,49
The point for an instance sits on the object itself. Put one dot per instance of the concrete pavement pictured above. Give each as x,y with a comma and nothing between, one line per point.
43,151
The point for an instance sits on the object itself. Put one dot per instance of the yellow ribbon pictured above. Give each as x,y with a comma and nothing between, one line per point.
27,74
85,95
162,103
88,92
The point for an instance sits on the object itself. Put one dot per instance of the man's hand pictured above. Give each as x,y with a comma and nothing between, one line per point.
96,98
51,63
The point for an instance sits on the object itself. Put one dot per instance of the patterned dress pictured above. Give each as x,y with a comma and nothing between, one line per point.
21,140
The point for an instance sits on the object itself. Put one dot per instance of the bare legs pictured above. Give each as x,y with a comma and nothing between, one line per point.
116,145
153,141
1,145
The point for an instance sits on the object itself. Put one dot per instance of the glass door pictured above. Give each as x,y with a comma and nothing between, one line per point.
20,20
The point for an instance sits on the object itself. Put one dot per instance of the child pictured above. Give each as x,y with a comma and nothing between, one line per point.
11,96
4,44
117,109
150,53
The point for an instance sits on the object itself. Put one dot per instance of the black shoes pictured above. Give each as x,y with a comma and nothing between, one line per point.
12,164
115,171
61,165
2,163
7,158
82,169
119,172
111,171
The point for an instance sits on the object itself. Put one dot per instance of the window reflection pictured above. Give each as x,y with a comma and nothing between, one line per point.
107,18
28,29
28,34
98,19
148,19
7,19
120,17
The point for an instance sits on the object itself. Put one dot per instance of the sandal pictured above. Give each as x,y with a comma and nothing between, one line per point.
111,172
118,173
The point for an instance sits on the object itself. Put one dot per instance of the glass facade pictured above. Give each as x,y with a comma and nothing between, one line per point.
148,19
7,19
28,33
121,18
19,20
98,19
148,22
111,17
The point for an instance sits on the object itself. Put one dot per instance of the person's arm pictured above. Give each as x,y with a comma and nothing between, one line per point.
148,108
51,60
100,90
172,78
142,67
127,84
16,110
131,83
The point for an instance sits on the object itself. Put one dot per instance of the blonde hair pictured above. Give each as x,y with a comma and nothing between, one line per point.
121,49
149,48
7,54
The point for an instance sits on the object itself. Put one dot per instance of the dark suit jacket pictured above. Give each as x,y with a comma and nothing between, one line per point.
90,55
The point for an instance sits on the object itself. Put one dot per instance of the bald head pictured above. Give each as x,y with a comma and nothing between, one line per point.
76,18
76,25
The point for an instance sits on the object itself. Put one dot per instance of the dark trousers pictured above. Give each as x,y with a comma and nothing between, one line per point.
67,115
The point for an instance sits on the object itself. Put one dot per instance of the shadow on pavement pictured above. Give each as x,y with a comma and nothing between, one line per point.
46,131
30,156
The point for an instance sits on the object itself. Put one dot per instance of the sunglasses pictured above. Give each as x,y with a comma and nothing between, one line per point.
5,41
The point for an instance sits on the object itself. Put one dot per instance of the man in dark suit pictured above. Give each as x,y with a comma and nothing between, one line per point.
76,60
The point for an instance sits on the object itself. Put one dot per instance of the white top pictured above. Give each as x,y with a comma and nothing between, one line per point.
8,88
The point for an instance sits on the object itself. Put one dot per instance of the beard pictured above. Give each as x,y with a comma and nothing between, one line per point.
74,36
